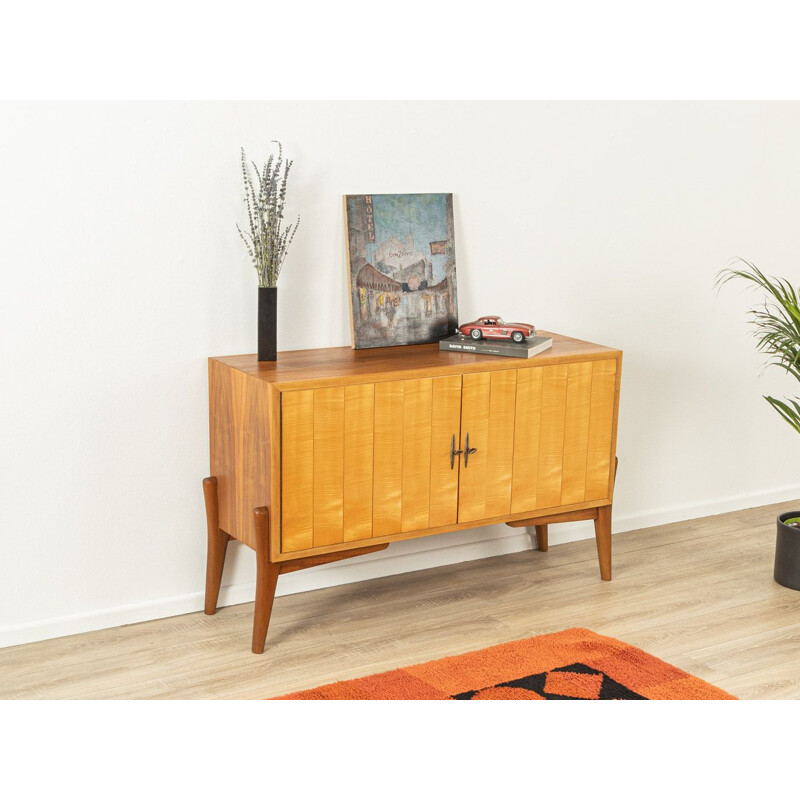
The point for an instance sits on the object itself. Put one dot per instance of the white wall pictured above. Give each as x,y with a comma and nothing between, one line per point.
122,272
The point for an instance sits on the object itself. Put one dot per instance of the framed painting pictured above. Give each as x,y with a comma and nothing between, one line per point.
402,268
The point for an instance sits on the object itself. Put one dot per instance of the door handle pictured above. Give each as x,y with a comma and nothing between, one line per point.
468,451
454,452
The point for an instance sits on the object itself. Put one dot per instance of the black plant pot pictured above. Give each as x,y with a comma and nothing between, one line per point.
787,553
267,323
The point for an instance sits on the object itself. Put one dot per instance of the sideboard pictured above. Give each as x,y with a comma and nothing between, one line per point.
333,453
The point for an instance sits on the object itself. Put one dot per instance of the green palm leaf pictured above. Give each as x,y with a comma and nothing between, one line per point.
776,328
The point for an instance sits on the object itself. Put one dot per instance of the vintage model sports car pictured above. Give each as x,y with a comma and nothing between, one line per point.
495,328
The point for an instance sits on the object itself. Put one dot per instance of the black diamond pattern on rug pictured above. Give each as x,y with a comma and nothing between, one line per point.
573,682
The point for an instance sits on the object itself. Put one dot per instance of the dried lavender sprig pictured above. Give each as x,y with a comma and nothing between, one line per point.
268,240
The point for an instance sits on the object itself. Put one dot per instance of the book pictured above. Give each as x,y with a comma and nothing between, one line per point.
526,349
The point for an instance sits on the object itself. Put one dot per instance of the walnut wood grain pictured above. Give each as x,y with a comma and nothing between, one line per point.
602,528
266,580
240,448
343,450
241,387
602,532
547,519
316,561
541,537
336,366
217,545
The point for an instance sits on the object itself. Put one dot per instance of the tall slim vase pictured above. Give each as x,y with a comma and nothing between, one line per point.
267,323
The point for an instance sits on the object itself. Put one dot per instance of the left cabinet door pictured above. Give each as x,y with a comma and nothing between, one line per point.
367,461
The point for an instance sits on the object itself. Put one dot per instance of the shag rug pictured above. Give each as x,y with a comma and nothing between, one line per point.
576,664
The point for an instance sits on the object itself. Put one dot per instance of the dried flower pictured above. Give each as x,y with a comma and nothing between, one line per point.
267,240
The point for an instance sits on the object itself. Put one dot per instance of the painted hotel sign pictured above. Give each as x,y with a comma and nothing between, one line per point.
370,218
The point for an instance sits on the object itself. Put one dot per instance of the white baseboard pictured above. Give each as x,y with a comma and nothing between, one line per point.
407,556
664,516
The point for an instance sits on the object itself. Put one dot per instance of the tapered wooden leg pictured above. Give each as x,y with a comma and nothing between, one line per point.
602,533
266,580
541,537
217,545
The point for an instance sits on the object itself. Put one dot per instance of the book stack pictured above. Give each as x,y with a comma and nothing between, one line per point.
526,349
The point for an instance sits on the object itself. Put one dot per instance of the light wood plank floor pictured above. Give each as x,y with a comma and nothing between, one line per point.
698,594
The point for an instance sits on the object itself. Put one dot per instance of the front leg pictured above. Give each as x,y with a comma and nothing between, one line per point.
541,537
217,545
602,533
266,580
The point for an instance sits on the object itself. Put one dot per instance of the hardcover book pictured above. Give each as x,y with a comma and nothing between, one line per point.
526,349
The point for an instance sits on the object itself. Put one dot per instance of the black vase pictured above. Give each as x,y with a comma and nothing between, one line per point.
787,553
267,323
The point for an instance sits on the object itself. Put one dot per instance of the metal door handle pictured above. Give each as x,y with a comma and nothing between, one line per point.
454,452
468,451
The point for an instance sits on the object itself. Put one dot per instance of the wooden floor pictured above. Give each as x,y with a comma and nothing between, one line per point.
698,594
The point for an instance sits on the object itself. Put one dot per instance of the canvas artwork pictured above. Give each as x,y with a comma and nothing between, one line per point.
402,262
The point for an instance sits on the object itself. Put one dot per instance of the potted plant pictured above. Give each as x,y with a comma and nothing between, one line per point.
267,240
776,326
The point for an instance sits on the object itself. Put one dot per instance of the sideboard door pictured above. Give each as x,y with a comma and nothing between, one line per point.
487,417
563,435
368,460
415,487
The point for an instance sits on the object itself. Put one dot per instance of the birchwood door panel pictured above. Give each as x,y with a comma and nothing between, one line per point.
445,429
367,460
414,486
563,435
328,440
601,430
359,437
328,465
488,401
297,472
373,460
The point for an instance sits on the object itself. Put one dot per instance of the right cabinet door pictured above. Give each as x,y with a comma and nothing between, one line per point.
563,431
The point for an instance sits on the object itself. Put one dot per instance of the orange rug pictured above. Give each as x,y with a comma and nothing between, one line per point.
575,664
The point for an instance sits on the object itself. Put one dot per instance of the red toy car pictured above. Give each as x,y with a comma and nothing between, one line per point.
495,328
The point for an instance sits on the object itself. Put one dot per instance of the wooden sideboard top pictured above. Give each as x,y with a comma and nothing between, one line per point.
334,365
